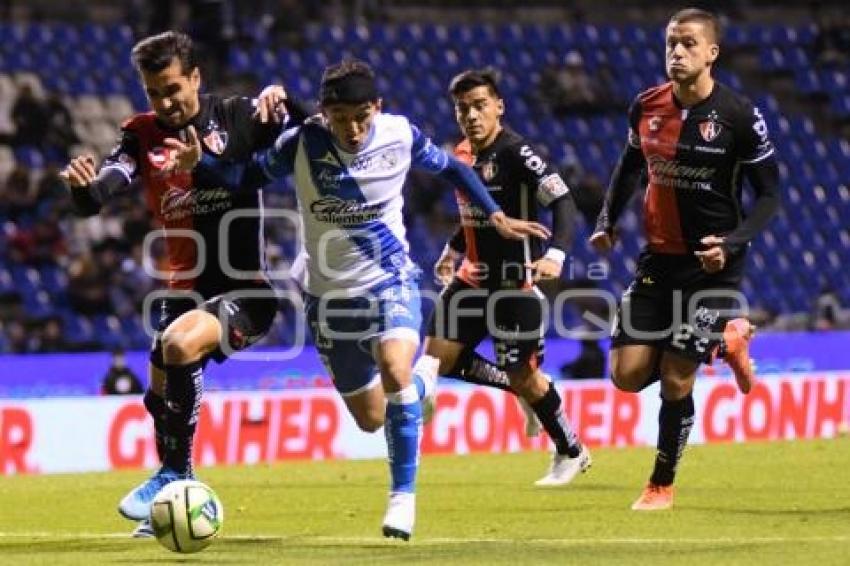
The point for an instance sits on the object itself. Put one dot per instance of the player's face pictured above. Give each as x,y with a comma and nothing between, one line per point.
173,95
478,113
350,124
690,51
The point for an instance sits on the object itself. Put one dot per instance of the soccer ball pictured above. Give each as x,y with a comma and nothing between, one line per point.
186,516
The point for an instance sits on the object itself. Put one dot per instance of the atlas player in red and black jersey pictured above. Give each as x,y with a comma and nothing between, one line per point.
219,298
696,140
493,292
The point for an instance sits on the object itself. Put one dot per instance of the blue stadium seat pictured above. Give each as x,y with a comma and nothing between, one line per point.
29,156
635,35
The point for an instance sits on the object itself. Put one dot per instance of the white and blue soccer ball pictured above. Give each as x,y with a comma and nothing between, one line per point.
186,516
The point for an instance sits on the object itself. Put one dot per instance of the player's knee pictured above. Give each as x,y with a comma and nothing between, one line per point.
674,387
176,349
395,372
369,421
629,377
522,380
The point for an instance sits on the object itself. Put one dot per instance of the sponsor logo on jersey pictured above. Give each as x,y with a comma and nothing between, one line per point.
382,160
335,210
158,157
216,141
179,202
655,123
533,161
709,129
671,173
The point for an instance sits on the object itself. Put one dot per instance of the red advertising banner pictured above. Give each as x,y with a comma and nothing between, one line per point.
106,433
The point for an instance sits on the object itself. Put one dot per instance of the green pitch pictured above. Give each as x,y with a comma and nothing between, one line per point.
783,503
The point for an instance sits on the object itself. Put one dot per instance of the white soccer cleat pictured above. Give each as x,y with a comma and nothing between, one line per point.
144,529
532,423
564,469
401,513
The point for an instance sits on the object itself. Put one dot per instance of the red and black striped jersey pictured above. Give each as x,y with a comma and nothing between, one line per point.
692,158
520,181
212,224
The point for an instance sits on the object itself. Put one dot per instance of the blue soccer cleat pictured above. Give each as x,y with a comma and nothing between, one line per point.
136,505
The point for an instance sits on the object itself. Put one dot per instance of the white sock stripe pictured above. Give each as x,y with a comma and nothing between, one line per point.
426,366
406,396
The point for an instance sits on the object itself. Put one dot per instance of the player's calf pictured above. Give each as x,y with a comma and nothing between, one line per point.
735,351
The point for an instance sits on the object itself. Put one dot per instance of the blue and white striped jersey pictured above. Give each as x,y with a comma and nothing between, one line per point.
351,203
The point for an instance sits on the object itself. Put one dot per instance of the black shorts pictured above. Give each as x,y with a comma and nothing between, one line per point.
513,318
687,320
246,315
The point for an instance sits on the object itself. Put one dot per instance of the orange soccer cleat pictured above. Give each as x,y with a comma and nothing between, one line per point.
654,498
737,335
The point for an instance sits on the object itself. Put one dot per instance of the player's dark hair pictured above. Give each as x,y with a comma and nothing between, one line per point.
349,81
156,52
473,78
707,19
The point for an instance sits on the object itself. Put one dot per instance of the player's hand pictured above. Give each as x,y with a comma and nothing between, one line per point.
270,105
444,269
80,172
515,229
713,258
546,268
183,155
602,241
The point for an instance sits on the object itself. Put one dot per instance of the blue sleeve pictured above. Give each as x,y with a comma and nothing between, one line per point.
279,160
464,177
425,155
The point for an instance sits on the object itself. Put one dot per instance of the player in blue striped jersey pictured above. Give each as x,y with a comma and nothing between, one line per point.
362,299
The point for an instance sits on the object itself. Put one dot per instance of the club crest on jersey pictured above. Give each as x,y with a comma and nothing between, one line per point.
709,129
489,170
216,141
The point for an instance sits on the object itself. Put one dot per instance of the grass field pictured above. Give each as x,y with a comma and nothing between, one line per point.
782,503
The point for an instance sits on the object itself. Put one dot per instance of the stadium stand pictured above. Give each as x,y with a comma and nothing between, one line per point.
87,275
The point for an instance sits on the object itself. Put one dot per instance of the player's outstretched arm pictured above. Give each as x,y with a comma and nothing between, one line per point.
271,105
426,155
467,181
89,187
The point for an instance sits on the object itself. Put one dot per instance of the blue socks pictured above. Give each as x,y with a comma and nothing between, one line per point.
403,427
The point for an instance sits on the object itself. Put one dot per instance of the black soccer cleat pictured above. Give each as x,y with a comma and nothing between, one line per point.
392,532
